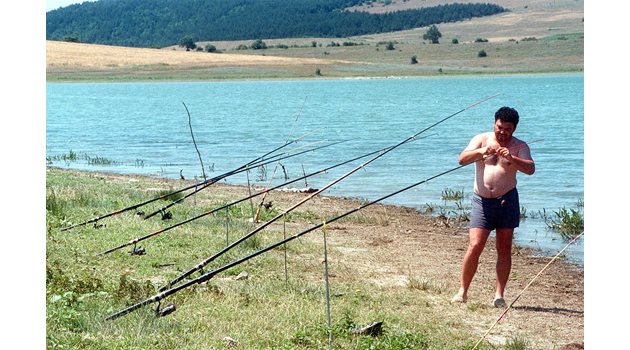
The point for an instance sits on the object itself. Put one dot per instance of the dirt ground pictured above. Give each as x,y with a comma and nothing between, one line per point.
398,242
385,244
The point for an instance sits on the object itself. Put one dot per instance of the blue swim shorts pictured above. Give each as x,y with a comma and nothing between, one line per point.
492,213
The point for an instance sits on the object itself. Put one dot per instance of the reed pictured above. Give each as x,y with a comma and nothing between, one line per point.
568,222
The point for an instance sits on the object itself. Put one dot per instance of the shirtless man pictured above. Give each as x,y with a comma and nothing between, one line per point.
495,202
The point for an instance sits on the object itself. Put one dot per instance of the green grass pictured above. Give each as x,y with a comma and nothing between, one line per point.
567,222
517,342
449,194
72,156
261,312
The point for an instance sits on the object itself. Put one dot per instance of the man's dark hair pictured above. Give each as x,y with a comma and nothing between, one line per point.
507,114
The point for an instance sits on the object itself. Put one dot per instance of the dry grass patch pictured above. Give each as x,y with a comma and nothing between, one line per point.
63,54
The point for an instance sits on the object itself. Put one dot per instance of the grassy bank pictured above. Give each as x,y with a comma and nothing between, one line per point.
263,311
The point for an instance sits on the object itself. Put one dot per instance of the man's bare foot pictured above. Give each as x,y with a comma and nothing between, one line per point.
459,298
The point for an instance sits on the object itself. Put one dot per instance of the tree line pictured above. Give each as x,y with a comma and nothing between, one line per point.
159,23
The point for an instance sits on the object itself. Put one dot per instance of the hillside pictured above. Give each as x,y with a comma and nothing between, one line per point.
553,33
159,23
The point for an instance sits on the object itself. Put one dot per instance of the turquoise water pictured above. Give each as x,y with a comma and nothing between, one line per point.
143,128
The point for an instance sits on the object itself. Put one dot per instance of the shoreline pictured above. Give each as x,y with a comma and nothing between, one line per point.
394,77
534,252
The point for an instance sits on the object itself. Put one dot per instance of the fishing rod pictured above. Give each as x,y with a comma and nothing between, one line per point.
137,240
307,198
527,286
212,180
251,166
208,275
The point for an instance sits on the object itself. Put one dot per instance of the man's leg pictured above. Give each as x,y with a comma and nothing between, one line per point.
504,261
477,238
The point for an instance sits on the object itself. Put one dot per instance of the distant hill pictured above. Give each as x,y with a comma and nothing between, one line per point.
159,23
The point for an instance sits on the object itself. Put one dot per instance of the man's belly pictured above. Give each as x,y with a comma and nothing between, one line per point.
494,182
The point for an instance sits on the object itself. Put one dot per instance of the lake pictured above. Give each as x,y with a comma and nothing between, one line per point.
142,128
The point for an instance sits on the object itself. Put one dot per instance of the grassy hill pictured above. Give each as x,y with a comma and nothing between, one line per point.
537,36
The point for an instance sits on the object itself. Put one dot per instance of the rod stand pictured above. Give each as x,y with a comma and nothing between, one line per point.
166,215
137,250
167,310
97,226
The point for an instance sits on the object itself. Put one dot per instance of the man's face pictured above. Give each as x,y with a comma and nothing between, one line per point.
503,130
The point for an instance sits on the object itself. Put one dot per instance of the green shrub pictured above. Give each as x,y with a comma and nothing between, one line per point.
258,45
452,195
211,48
567,222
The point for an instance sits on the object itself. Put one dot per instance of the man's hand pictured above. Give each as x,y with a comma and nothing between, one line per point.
505,153
489,150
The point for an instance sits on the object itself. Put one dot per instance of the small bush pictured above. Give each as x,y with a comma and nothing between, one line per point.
211,48
259,45
567,222
452,195
482,53
414,59
481,40
517,343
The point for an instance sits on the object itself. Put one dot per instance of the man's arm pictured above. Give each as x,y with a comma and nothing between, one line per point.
521,159
474,151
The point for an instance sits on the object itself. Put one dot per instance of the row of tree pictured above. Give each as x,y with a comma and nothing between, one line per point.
159,23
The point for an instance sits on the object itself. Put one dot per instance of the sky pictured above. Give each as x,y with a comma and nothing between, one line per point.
55,4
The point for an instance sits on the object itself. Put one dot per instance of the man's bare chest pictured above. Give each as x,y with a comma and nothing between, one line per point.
496,161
